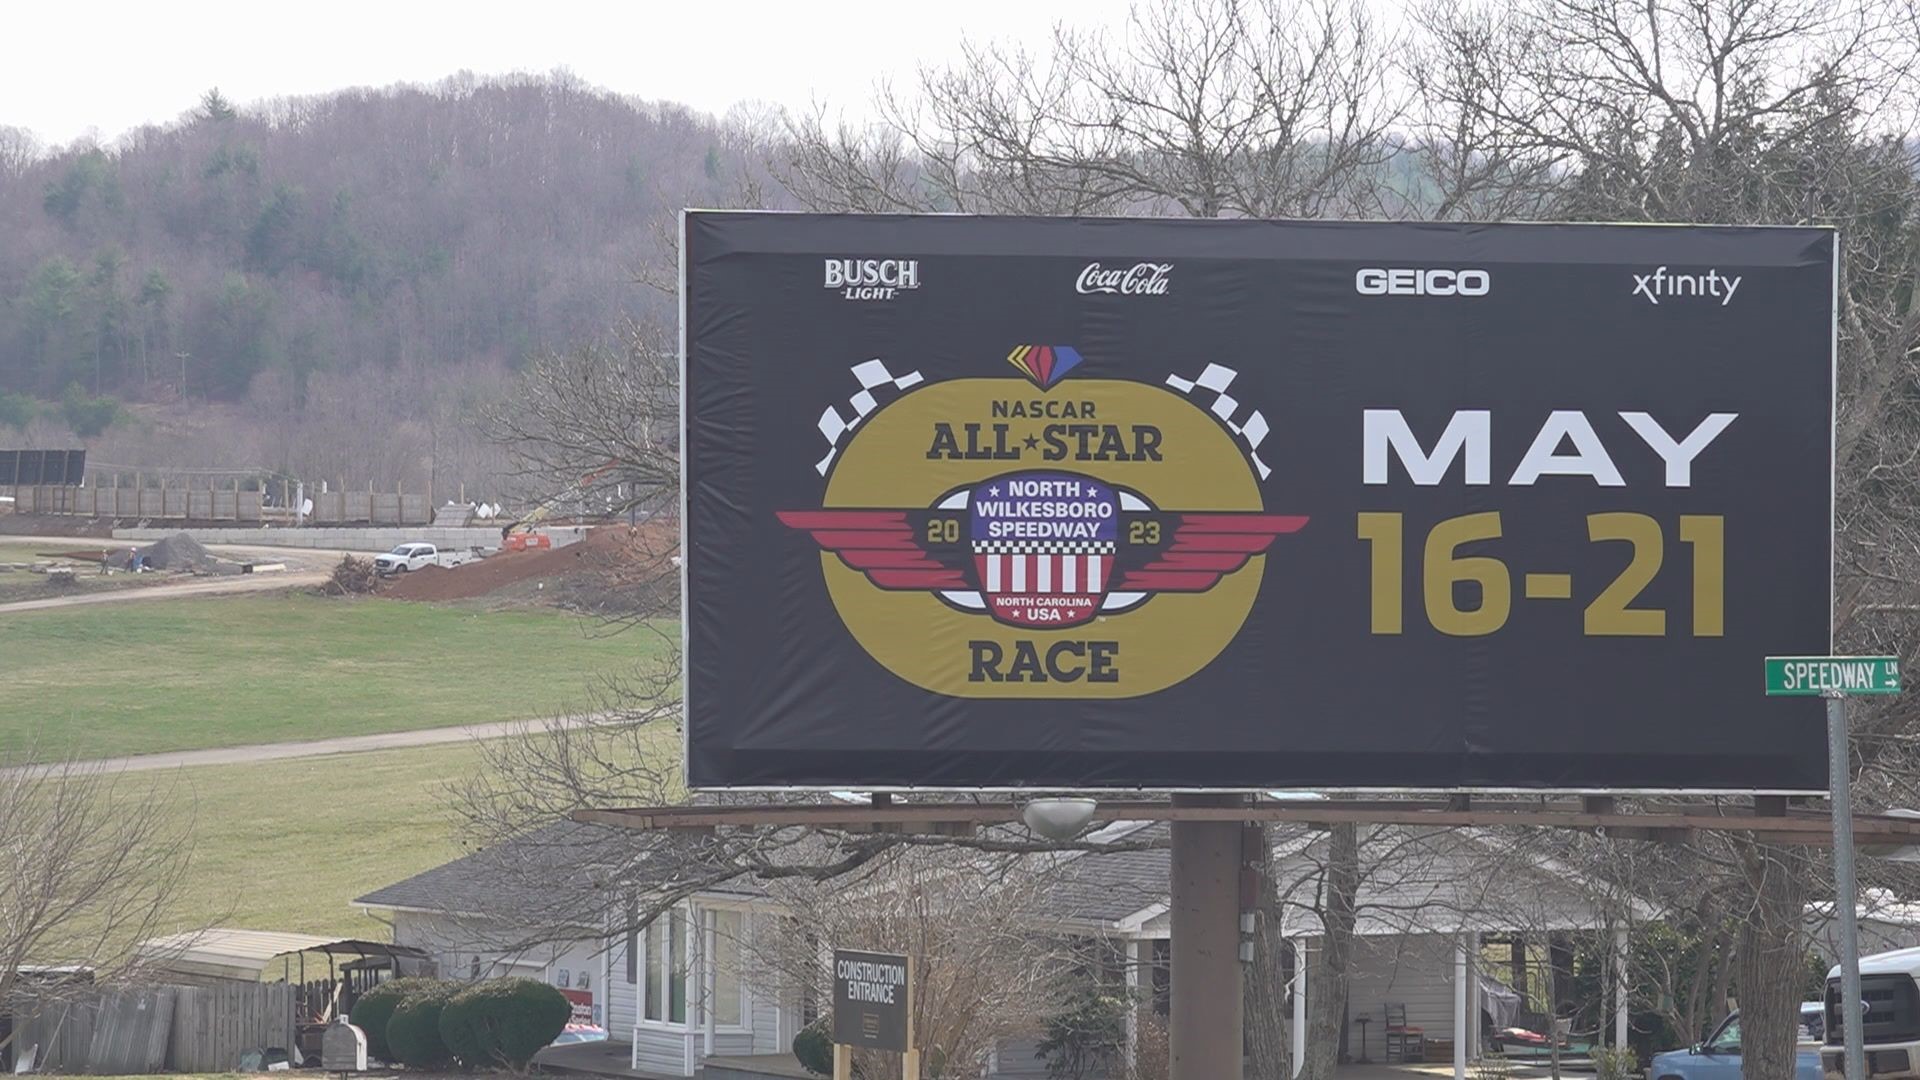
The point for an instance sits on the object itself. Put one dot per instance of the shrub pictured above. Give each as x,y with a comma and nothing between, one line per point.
813,1048
503,1021
1614,1064
1088,1038
375,1007
413,1033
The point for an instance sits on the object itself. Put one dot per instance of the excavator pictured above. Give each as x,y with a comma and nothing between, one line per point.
517,535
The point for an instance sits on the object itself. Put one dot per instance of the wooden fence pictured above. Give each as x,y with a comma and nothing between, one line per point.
200,1029
108,1032
214,1025
370,507
182,504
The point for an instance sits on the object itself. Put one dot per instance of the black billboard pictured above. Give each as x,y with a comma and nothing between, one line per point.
42,468
978,502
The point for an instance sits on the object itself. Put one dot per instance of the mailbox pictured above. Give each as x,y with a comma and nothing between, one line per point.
343,1048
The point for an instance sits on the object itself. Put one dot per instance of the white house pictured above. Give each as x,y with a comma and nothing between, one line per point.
687,994
679,993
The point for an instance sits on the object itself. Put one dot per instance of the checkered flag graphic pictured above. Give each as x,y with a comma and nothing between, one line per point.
873,376
1251,430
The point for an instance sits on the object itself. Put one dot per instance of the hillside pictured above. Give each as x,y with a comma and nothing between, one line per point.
404,230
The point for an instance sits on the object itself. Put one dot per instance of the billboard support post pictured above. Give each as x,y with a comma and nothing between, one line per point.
1205,1028
1845,897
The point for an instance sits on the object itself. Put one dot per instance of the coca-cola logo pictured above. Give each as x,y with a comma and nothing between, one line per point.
1140,279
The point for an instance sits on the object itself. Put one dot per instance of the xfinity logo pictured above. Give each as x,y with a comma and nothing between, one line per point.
1405,281
872,279
1140,279
1661,285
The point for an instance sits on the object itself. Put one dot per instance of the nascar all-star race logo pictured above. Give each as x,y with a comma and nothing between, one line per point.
1044,534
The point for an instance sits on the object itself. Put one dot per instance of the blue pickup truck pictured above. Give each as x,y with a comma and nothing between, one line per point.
1719,1057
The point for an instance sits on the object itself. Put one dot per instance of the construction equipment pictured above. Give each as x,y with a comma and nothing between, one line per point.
547,509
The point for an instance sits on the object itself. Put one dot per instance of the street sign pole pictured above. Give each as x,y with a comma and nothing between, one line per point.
1845,901
1836,678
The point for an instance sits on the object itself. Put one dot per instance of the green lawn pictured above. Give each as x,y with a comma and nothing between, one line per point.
285,845
111,679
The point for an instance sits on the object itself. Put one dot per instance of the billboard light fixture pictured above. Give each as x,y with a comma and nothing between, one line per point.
1058,819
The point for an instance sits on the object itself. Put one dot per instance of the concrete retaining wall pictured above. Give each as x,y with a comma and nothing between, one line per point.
347,539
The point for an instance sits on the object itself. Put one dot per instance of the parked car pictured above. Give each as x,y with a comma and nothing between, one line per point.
1719,1057
581,1033
406,558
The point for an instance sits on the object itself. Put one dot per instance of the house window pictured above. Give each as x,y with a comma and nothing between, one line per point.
666,949
728,930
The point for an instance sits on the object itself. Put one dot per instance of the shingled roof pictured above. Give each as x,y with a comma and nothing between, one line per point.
505,879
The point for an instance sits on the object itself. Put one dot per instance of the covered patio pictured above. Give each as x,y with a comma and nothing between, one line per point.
1430,902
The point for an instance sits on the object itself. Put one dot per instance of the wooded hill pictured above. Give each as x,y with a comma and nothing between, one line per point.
414,229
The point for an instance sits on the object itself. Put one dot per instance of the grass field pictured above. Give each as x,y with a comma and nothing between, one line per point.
112,679
285,845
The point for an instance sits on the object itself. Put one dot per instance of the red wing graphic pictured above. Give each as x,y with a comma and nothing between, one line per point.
880,544
1204,548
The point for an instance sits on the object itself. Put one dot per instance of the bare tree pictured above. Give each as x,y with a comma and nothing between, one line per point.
18,150
90,864
599,426
983,968
1209,108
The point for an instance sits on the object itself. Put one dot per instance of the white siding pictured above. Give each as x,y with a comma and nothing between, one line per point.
738,1044
657,1051
1413,971
623,1008
454,945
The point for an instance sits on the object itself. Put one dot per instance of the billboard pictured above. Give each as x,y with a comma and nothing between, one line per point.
37,468
978,502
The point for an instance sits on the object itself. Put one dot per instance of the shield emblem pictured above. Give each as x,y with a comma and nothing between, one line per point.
1043,546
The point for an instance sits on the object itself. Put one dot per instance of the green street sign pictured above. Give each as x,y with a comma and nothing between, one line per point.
1814,676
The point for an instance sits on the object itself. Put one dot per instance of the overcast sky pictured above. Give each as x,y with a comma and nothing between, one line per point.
136,63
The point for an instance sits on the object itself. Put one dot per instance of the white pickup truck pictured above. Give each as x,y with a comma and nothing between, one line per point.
1890,994
406,558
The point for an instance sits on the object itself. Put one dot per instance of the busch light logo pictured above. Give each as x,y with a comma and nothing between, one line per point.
872,279
1140,279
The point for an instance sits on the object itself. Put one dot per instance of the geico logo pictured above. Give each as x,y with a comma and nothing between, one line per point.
1407,281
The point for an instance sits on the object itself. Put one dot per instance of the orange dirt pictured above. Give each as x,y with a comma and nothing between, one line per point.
615,555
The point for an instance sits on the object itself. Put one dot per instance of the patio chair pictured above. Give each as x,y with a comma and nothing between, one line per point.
1404,1042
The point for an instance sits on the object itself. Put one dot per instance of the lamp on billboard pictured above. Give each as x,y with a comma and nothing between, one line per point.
1058,819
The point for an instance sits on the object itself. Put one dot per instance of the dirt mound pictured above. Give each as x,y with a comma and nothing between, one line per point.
612,559
177,552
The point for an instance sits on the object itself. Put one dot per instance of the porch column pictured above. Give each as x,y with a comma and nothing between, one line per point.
1299,1005
1206,1032
1460,995
709,983
1622,988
